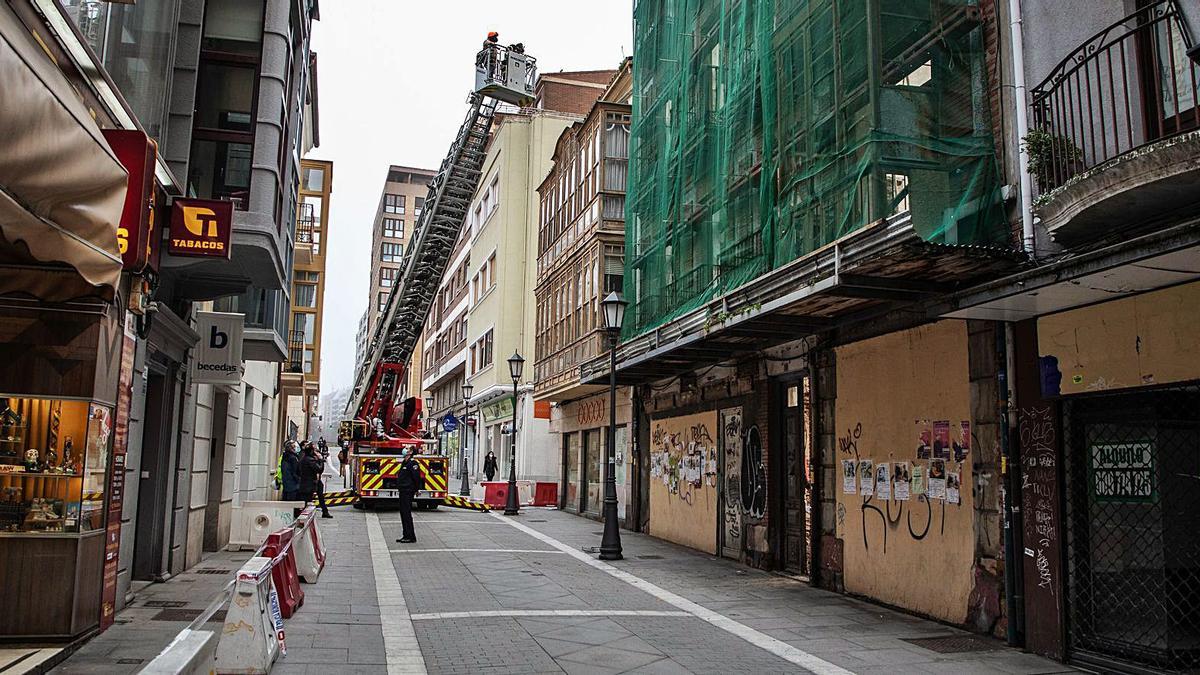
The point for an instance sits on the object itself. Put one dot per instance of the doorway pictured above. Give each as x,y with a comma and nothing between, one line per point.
216,474
792,474
155,478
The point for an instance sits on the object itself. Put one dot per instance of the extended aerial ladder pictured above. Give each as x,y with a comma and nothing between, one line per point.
380,425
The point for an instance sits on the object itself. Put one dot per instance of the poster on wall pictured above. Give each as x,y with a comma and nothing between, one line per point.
953,486
1122,472
849,477
963,447
866,477
917,484
883,483
941,439
924,439
937,479
901,477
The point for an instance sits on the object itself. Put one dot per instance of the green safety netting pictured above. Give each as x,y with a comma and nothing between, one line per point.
766,129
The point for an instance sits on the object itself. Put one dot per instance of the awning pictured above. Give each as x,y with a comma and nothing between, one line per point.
61,187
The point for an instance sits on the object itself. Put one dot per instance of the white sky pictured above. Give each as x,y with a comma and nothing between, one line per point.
393,78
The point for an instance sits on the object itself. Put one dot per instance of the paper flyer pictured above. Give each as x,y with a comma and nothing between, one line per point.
918,478
963,447
883,483
953,485
866,477
900,481
924,439
849,477
937,479
941,440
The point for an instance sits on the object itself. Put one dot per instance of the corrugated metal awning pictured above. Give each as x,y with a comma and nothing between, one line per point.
62,188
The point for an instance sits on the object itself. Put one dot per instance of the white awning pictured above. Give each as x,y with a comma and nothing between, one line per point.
62,189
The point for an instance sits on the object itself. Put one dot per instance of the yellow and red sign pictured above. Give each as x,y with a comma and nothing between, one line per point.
201,228
137,233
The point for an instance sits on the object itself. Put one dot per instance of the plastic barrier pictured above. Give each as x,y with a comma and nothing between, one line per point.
310,559
254,520
545,493
495,493
192,652
251,640
287,580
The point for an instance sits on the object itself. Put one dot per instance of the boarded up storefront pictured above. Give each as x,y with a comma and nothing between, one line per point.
904,505
683,480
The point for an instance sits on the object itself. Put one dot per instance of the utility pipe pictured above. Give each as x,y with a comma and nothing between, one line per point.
1021,101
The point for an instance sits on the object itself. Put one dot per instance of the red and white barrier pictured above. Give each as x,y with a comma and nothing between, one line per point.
310,556
250,639
279,547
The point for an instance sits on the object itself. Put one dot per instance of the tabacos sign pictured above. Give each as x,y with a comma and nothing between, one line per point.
201,228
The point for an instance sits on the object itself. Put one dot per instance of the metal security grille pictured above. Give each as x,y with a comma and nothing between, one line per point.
1133,527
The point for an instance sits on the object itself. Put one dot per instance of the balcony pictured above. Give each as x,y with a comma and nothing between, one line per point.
295,362
1116,128
266,320
304,234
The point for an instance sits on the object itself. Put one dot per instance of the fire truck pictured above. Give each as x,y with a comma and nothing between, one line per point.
386,421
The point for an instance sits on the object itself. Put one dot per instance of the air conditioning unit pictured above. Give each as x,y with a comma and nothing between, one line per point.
253,521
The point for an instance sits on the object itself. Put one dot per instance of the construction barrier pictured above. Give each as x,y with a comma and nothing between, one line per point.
343,498
254,520
251,638
191,653
310,558
283,569
464,503
545,493
495,493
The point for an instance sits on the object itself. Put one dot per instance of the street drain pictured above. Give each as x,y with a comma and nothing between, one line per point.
535,521
214,571
165,603
650,557
954,644
177,615
130,662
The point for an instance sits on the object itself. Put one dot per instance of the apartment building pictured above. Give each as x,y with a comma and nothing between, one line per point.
300,381
484,308
581,258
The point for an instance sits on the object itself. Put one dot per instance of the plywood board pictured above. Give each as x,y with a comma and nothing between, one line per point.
905,397
683,480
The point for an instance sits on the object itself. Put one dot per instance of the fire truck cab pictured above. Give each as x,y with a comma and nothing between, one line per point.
375,465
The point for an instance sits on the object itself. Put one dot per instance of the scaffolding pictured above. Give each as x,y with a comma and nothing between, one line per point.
764,131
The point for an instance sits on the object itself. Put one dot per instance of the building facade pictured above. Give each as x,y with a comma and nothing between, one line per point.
212,100
581,259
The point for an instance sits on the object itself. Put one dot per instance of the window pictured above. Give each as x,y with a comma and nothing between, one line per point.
481,352
393,227
418,205
387,276
305,295
383,297
314,178
614,270
489,277
389,252
393,204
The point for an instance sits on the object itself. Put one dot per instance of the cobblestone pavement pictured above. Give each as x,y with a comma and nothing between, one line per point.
479,593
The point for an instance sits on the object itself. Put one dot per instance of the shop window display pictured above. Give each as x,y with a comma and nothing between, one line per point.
53,463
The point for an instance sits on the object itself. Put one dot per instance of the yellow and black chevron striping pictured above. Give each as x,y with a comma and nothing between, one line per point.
388,467
464,503
342,499
339,494
433,481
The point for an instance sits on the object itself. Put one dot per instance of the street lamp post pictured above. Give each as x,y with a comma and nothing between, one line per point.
512,506
465,489
614,315
428,415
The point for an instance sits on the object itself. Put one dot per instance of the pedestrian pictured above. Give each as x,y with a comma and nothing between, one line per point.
489,465
409,480
287,472
342,455
311,468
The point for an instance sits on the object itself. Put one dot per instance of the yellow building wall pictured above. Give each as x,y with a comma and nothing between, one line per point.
900,398
1144,340
683,479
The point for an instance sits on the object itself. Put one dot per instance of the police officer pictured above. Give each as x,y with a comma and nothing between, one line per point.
409,480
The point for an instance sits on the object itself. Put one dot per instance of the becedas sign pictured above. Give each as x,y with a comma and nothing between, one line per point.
200,228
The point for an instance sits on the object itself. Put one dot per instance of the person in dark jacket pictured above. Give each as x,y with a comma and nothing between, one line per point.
289,472
311,468
408,480
490,465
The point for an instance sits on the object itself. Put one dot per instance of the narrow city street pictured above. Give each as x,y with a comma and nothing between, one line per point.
483,593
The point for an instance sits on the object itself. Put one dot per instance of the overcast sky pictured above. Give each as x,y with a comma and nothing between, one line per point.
393,78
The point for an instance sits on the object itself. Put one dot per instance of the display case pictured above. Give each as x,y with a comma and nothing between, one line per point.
54,458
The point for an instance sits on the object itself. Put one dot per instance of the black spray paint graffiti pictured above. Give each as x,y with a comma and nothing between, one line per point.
1038,480
754,476
684,462
731,433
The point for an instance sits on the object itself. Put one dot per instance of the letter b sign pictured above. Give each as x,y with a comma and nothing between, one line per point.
217,339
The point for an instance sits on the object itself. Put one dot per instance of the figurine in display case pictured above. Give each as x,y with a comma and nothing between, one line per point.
68,456
32,460
44,514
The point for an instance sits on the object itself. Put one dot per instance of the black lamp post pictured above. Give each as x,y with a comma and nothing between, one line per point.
428,414
513,505
614,315
465,489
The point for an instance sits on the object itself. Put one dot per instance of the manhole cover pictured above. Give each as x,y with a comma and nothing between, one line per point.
954,644
130,662
214,571
165,603
650,557
177,615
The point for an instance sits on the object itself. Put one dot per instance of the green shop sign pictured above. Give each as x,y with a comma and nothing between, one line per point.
1123,472
500,410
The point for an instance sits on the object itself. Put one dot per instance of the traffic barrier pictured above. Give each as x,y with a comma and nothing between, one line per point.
287,580
192,652
341,498
495,493
310,559
252,637
254,520
464,503
545,493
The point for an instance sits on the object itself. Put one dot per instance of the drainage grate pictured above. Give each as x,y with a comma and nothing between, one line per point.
165,603
537,521
954,644
649,557
177,615
214,571
130,662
